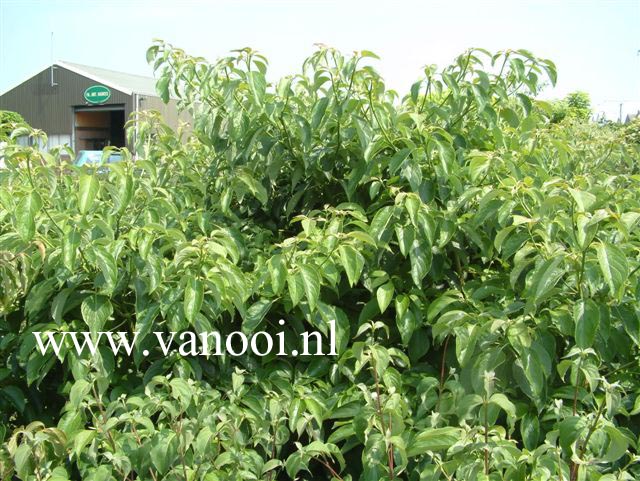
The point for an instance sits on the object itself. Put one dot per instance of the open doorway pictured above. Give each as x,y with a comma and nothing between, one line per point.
97,127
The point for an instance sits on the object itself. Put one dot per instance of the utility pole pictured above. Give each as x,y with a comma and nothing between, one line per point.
53,83
620,115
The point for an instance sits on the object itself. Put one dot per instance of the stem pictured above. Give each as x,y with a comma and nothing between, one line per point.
375,115
273,447
575,468
182,460
381,416
112,442
442,371
486,436
139,442
560,477
575,391
330,468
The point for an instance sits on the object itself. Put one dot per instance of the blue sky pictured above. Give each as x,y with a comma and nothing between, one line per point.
594,43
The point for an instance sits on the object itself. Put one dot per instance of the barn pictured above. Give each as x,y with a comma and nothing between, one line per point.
86,107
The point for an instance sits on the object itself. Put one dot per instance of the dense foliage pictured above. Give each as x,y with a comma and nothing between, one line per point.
8,121
481,264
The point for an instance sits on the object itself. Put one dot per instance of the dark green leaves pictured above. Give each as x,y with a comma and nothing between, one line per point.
586,316
477,254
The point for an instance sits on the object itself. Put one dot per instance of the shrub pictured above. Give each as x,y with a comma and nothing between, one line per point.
8,122
480,263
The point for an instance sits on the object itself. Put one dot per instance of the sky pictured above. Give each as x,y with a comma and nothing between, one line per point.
595,44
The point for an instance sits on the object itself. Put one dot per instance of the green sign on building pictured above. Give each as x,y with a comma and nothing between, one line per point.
97,94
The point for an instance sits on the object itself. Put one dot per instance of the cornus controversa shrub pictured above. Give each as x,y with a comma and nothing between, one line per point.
480,264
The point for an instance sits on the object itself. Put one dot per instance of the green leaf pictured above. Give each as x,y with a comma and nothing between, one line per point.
584,200
108,266
26,212
78,391
318,112
16,396
164,451
255,314
258,85
295,287
545,278
433,439
586,316
407,324
530,431
510,117
181,391
352,261
87,192
362,237
23,461
70,244
96,310
384,294
381,223
296,463
503,402
59,474
311,283
81,439
630,320
255,187
406,235
614,267
278,273
193,297
618,444
420,256
162,87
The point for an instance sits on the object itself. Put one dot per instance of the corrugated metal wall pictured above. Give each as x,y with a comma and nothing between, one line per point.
168,111
51,108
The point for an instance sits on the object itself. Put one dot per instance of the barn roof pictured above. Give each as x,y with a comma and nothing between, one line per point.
124,82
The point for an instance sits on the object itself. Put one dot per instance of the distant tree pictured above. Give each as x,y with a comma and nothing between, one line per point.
579,105
576,106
